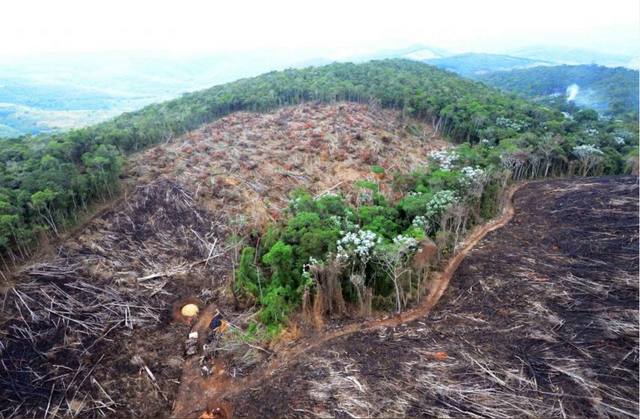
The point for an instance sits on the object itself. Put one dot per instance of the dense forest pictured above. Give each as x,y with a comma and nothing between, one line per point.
612,91
45,181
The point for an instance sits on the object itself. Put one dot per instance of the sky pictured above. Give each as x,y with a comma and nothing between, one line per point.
328,28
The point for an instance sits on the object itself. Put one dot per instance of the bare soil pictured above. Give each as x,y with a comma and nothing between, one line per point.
540,319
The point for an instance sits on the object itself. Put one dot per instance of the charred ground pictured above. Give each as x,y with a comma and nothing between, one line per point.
541,319
81,325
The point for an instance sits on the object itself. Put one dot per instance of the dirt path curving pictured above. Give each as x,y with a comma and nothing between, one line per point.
198,394
540,319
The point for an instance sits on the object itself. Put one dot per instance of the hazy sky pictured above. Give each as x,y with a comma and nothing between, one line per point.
333,28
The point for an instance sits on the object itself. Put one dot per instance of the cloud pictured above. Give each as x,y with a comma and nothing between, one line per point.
330,27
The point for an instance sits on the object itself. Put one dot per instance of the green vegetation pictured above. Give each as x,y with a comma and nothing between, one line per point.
45,181
368,247
612,91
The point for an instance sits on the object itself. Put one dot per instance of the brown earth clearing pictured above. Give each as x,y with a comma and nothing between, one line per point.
246,164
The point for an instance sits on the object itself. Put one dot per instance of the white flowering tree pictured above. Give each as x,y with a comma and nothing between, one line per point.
589,156
393,259
439,203
444,159
355,250
473,180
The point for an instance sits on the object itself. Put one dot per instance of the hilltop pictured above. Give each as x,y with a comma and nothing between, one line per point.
297,203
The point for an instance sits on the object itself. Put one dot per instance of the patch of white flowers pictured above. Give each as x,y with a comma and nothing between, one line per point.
444,158
509,123
420,222
472,176
619,140
440,202
359,244
586,150
591,132
412,193
405,242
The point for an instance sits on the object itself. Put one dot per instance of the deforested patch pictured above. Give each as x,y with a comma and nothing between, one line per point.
88,331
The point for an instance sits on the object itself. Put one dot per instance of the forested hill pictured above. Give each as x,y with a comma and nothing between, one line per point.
46,180
609,90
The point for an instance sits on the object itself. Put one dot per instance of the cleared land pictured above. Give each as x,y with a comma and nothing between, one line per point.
89,329
246,164
541,320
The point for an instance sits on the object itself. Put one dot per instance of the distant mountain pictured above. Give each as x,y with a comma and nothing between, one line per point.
611,91
575,56
474,64
416,52
46,94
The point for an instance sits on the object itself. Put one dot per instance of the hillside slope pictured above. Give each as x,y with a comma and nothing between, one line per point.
106,294
612,91
247,164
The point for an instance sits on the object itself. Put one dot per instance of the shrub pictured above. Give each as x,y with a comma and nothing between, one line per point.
379,219
280,260
414,205
276,306
247,276
445,179
378,170
366,184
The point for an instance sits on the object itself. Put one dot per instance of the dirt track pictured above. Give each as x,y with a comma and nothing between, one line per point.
540,319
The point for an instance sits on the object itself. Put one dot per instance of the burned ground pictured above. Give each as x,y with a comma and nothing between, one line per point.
540,319
88,330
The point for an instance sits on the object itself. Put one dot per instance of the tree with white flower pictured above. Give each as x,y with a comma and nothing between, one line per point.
473,180
589,156
440,202
392,258
356,248
444,159
421,222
